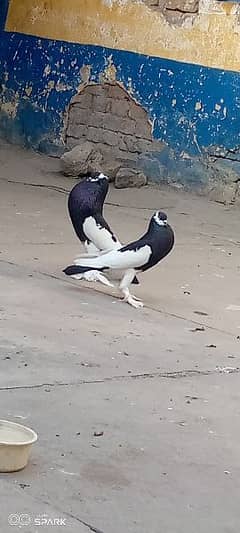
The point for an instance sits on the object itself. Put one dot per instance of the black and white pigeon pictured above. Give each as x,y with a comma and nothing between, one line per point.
138,256
85,207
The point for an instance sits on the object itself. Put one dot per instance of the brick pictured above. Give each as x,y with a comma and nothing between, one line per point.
78,115
130,143
101,103
120,108
96,119
143,146
111,138
123,155
143,129
83,99
184,6
121,142
108,105
118,124
137,112
98,89
76,130
99,135
95,134
71,142
117,92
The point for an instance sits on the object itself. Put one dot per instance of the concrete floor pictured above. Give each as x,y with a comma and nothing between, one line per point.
75,361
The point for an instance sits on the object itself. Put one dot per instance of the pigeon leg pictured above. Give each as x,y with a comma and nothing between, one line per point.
95,275
91,249
124,288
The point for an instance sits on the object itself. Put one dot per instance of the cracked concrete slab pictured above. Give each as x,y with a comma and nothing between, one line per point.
205,261
21,510
97,346
168,454
159,386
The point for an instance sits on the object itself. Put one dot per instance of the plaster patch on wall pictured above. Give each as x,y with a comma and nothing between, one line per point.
28,90
220,8
60,87
110,3
110,72
85,72
47,70
10,108
176,12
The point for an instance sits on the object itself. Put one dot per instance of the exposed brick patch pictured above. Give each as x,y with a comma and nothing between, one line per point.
176,11
106,115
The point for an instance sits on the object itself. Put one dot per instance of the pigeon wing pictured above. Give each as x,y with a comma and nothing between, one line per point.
122,259
99,233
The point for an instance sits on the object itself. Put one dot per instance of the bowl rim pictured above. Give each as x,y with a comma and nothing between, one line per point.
20,427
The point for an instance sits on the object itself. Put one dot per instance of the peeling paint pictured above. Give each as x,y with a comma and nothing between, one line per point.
85,73
191,106
109,73
28,90
211,39
180,98
47,70
10,108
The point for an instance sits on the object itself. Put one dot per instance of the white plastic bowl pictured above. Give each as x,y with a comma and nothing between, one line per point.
15,445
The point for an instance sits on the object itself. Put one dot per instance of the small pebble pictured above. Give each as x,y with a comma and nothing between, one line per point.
199,328
211,346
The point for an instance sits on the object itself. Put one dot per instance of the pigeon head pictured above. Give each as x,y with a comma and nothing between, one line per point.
160,218
97,177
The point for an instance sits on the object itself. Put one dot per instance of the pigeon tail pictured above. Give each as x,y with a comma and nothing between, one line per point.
72,270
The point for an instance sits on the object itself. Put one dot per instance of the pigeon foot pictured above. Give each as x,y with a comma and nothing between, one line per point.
95,275
134,302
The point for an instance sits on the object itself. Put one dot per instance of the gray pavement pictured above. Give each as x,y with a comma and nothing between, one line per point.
160,384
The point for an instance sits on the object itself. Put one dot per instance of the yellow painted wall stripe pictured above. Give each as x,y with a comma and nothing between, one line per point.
213,40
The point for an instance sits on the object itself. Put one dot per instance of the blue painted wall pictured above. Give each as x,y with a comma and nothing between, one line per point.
34,99
156,83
